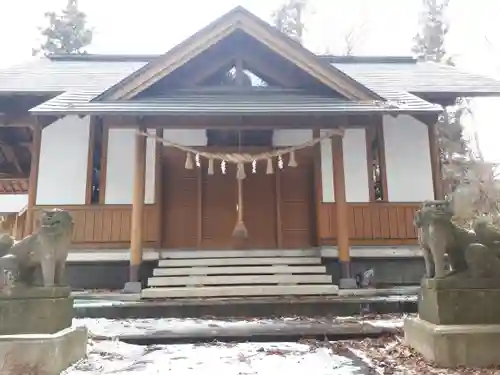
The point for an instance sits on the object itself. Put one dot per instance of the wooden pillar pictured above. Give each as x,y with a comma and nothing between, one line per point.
341,207
435,162
33,179
136,236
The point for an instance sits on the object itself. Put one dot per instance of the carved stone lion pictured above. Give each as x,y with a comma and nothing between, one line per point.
438,237
40,258
472,253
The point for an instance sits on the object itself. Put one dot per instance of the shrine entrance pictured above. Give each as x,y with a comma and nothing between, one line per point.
200,205
220,208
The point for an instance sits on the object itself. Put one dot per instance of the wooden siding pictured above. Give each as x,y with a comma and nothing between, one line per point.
376,223
108,226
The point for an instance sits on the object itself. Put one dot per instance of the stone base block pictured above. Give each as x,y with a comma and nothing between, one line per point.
42,354
454,345
348,284
132,287
35,310
460,301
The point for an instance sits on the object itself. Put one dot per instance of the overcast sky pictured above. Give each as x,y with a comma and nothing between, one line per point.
383,27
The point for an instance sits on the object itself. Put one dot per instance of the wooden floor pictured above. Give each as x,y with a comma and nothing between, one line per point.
245,273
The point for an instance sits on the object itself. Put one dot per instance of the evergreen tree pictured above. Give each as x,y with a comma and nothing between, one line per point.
429,42
289,18
430,46
66,33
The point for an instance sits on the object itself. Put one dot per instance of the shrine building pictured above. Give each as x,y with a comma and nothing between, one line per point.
238,163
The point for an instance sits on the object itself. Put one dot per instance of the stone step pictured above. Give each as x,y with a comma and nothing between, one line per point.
239,280
238,270
195,254
239,291
237,261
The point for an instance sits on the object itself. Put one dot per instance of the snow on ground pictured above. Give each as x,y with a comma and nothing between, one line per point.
113,357
115,327
385,355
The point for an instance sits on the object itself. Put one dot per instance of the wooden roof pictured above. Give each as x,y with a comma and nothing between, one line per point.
238,20
86,72
231,102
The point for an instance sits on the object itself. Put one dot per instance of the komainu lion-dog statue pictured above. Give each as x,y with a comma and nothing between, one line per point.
471,253
40,258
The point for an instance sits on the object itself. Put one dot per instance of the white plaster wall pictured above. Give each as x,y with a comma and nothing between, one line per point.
62,176
327,170
291,137
355,165
10,203
120,167
186,137
407,158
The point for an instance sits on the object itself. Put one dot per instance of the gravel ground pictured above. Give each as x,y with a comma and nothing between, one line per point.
386,355
389,355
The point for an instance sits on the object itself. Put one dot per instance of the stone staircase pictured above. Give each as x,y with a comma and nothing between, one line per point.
239,273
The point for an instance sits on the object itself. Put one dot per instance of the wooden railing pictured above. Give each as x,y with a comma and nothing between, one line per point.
376,223
108,225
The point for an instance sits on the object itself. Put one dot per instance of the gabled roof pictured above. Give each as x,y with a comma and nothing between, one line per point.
238,19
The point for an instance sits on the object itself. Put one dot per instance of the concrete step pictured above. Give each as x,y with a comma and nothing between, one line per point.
196,262
239,280
196,254
238,291
239,270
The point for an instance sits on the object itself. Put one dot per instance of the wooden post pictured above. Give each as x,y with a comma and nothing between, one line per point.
435,162
137,207
33,179
341,207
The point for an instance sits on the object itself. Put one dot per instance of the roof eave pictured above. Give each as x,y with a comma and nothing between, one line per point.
97,112
457,94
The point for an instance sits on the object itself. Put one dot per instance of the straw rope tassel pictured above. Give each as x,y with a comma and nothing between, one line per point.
240,230
240,172
292,162
189,161
269,169
210,166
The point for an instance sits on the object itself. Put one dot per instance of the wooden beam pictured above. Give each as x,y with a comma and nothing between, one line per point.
341,206
199,207
279,221
318,188
104,165
15,120
10,156
90,159
33,178
435,161
198,77
136,236
159,185
257,64
236,122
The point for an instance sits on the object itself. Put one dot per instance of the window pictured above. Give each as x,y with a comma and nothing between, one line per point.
234,76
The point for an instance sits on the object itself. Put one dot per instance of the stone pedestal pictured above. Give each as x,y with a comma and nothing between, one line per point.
454,345
47,354
458,323
36,336
38,310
